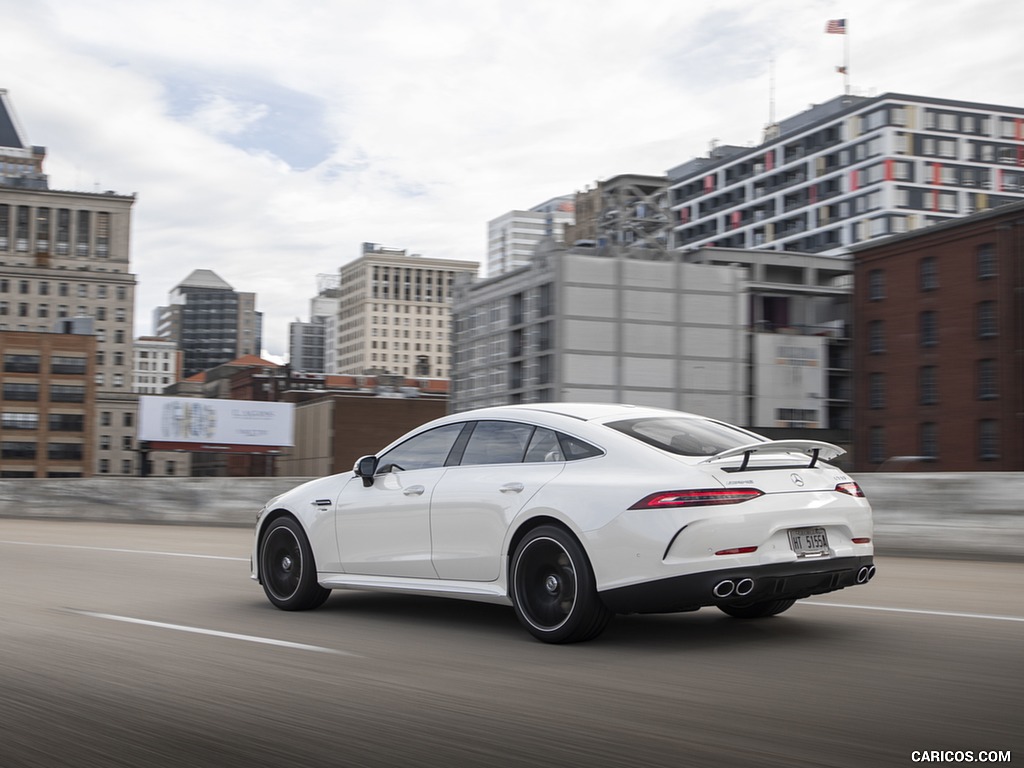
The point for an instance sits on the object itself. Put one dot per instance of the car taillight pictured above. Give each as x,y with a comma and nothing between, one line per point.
850,488
705,497
737,551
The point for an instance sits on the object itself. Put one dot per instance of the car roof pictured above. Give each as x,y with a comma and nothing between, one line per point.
583,411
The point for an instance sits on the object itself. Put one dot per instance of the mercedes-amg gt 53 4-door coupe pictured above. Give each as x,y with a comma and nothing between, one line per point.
573,512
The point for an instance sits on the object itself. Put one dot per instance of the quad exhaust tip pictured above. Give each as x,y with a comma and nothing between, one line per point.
865,574
728,587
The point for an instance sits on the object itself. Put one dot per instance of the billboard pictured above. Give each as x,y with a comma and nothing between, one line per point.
189,423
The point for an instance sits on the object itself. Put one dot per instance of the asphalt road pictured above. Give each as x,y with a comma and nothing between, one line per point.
149,646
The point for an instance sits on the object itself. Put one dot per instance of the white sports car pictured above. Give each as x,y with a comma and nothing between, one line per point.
571,513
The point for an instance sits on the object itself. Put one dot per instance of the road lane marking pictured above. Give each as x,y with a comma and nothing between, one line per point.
953,614
126,551
212,632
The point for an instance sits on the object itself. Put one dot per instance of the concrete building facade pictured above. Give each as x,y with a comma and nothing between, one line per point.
756,339
394,312
848,171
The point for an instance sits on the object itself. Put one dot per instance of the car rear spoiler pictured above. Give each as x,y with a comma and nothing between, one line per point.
816,449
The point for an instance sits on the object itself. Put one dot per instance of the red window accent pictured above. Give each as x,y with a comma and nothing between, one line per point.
889,173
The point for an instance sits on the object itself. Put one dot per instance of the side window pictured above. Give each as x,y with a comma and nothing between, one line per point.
576,449
424,451
544,446
497,442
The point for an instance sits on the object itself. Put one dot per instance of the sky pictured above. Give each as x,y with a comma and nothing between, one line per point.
267,140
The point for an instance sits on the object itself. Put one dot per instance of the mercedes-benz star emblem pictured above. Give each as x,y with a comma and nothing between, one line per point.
797,480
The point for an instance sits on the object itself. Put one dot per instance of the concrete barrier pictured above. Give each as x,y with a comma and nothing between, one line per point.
971,515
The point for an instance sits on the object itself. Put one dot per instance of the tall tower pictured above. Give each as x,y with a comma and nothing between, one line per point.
64,267
211,322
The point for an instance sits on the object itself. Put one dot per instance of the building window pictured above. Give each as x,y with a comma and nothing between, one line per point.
104,442
104,466
929,273
105,418
929,439
988,326
876,447
986,260
128,419
929,328
67,393
11,449
64,451
876,393
18,420
126,467
19,391
988,439
21,363
876,337
928,385
988,387
876,285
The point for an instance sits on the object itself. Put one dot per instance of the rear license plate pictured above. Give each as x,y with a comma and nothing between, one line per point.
809,542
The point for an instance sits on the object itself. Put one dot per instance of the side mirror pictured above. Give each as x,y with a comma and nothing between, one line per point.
366,468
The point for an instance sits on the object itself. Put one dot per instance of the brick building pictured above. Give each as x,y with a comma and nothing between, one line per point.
939,338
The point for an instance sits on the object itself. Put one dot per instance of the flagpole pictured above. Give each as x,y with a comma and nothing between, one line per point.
846,57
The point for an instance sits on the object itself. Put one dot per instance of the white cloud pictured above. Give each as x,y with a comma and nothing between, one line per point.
266,141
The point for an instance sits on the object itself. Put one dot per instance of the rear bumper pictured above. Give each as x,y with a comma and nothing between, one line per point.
781,581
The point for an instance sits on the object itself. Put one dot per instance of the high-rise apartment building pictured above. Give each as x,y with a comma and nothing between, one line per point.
65,255
394,312
848,171
513,236
211,323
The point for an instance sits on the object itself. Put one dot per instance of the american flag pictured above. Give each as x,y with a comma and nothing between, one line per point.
836,27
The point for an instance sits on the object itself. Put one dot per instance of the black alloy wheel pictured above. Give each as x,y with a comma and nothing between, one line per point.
553,590
287,570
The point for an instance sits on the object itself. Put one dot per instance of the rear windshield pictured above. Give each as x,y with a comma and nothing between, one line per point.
686,437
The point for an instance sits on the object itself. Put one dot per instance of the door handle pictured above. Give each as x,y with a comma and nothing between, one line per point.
414,490
512,488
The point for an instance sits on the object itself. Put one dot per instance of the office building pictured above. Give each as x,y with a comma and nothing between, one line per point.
312,343
848,171
64,261
394,312
513,236
939,335
157,365
210,322
757,339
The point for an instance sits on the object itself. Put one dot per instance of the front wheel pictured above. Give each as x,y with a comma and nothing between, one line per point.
287,570
757,610
553,589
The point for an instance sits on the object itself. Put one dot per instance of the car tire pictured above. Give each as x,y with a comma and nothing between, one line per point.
757,610
287,571
553,589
